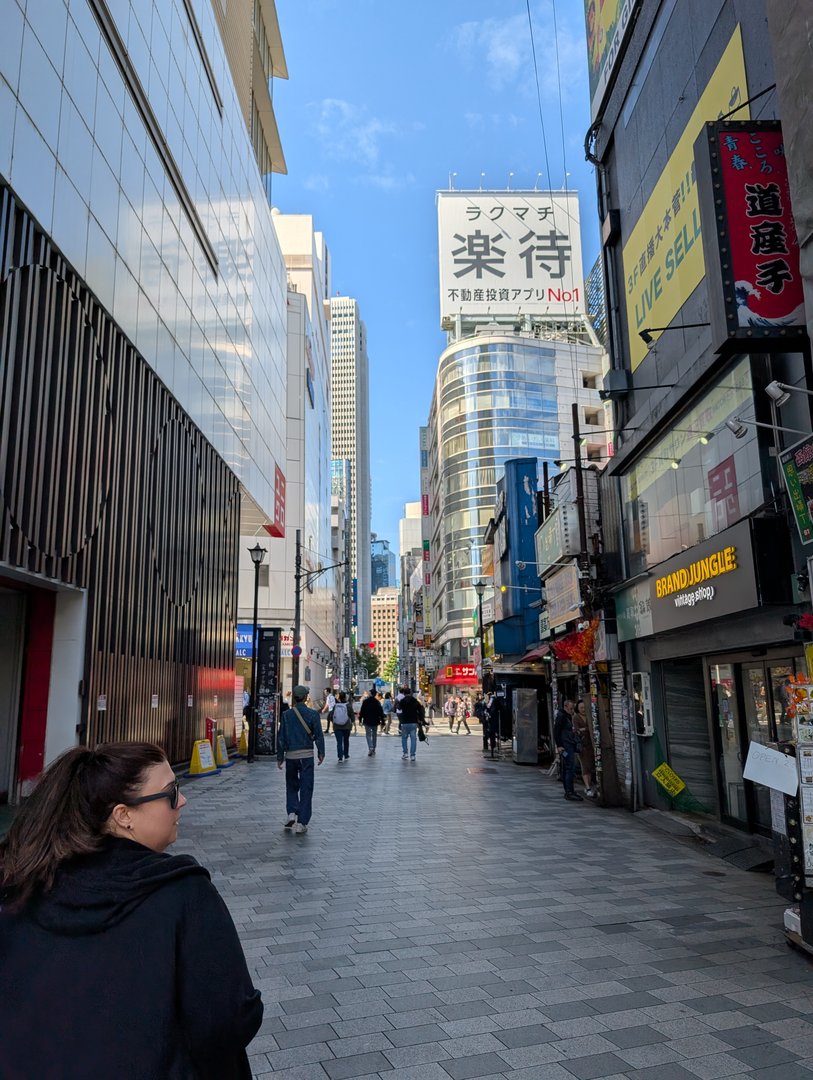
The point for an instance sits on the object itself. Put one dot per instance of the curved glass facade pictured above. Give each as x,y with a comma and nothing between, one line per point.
496,397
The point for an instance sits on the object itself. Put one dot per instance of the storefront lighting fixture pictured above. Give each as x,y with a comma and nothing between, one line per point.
739,427
706,439
780,392
646,334
674,463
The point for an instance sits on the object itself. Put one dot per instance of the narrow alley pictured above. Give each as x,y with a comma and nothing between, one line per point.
458,919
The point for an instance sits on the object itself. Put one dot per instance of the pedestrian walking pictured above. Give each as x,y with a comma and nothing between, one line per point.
449,710
493,723
300,730
341,726
568,745
328,707
371,715
411,716
582,725
388,708
481,715
118,959
462,714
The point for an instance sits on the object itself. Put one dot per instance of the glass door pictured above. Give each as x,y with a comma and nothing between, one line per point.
758,728
727,719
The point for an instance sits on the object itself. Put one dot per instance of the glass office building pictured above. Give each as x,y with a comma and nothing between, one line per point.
498,395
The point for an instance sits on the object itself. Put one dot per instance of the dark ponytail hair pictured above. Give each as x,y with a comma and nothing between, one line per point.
67,813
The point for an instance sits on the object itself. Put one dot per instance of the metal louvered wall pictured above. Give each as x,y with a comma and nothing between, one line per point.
108,486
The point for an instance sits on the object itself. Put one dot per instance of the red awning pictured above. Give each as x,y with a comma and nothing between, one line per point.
535,654
456,680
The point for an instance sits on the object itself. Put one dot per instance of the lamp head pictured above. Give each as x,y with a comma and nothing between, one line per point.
257,554
737,428
480,588
777,393
674,463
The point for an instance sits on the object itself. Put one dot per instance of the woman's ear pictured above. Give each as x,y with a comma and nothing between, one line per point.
121,819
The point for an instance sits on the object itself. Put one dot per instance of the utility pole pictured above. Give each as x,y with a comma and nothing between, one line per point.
295,651
577,453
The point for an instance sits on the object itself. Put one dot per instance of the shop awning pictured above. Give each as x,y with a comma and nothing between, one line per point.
535,654
456,680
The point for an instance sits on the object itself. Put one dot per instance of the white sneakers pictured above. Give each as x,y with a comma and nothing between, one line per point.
404,757
300,828
291,821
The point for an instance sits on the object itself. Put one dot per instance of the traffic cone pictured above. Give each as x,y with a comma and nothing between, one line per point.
203,760
242,747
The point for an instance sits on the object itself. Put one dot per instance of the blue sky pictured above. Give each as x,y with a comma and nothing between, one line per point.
384,101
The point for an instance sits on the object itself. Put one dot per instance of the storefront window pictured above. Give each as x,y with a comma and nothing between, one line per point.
697,480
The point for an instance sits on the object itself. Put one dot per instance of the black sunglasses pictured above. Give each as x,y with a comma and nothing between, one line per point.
170,793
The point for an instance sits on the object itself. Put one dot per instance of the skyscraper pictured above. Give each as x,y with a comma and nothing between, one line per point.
351,439
384,571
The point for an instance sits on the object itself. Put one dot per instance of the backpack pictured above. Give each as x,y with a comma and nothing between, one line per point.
340,718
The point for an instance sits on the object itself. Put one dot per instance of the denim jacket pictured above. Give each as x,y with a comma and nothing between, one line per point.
293,741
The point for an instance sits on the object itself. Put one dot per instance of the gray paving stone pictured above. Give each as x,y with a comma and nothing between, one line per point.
304,1036
761,1055
478,1065
357,1066
423,1033
642,1035
595,1066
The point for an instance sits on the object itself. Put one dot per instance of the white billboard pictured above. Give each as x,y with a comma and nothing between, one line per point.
509,253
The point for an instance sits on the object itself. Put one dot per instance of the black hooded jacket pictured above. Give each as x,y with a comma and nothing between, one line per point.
130,968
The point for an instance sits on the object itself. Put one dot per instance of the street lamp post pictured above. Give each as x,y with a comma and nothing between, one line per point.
480,588
257,554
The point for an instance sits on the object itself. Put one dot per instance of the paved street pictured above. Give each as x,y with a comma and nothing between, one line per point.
440,923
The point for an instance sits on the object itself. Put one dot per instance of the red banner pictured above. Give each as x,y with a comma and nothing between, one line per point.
761,233
277,527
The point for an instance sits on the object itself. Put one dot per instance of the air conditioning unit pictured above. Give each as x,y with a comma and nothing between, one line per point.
642,704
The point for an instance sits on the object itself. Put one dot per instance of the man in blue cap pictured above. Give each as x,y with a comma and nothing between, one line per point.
299,730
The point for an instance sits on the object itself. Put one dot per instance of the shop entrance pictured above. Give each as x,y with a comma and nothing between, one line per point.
749,704
12,623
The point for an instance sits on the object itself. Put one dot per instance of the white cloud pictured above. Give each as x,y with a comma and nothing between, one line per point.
502,48
316,182
350,133
388,181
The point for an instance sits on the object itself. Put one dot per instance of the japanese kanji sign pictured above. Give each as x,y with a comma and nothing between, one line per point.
752,255
663,255
510,253
797,469
277,526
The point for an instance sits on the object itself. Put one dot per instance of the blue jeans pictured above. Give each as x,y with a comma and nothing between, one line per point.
409,731
568,770
342,740
299,788
371,731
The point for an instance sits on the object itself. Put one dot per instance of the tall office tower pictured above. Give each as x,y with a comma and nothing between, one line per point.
307,466
384,619
143,359
520,352
383,565
351,439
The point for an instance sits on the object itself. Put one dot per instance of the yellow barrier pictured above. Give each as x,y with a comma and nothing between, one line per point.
242,746
222,758
203,760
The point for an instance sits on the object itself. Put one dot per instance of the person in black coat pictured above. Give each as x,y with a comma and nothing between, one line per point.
116,959
568,745
371,715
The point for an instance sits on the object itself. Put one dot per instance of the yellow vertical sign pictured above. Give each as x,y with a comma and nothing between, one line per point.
663,257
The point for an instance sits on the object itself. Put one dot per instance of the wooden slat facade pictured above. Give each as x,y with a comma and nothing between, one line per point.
108,486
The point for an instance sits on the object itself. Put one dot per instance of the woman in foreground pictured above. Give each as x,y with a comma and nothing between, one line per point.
117,961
